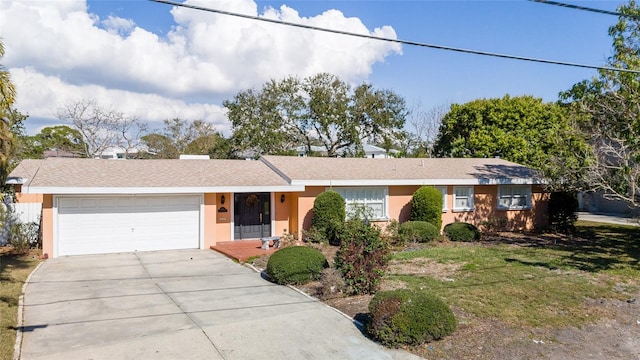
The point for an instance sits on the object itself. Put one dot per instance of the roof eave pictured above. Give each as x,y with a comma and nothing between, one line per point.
159,190
419,182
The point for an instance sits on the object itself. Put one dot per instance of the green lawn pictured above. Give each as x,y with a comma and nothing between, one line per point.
541,284
14,270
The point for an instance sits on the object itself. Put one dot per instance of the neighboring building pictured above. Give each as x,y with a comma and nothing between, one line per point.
370,151
194,157
59,153
301,151
375,152
93,206
117,152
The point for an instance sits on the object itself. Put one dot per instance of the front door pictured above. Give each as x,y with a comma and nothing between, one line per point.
252,215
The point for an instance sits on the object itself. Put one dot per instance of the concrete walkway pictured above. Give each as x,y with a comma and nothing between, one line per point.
193,304
607,218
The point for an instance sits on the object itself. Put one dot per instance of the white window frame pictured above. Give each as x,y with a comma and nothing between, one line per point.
507,191
443,191
469,197
349,202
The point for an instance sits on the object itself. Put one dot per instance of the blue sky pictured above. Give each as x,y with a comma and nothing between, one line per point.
153,61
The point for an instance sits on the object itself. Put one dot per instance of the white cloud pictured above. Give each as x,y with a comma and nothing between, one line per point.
204,56
118,25
43,95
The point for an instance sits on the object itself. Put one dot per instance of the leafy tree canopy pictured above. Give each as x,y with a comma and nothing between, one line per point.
181,136
606,109
61,137
10,120
520,129
320,110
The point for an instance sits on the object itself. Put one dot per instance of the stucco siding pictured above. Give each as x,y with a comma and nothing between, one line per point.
282,215
305,206
209,216
400,202
47,225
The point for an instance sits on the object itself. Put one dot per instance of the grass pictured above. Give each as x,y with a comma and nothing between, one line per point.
536,284
14,270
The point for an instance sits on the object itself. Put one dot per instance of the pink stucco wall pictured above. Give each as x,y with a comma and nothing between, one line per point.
485,207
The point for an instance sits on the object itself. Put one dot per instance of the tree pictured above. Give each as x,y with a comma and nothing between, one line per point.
101,127
424,125
320,110
606,110
159,147
8,117
60,137
520,129
180,136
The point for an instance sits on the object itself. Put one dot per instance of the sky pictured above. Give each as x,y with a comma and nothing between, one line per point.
155,61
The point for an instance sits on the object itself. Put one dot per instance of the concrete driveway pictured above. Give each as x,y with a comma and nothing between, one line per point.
192,304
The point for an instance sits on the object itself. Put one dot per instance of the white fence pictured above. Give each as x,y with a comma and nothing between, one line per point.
24,213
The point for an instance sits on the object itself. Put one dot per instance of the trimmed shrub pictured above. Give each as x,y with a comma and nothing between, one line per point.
563,211
296,265
409,317
328,217
362,257
418,231
426,205
461,231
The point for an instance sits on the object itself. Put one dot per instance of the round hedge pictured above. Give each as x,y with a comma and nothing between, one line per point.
461,231
426,205
409,317
296,265
418,231
328,216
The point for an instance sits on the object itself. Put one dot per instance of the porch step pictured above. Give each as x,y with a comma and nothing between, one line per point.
242,250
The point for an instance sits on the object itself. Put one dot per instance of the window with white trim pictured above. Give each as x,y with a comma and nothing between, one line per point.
462,198
443,191
372,198
514,196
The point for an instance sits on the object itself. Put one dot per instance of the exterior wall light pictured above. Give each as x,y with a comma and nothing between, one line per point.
222,199
282,198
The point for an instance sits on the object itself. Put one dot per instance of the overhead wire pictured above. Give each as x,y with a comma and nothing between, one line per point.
398,41
585,8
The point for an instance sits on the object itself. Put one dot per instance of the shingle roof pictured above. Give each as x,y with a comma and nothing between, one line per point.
406,170
98,173
272,173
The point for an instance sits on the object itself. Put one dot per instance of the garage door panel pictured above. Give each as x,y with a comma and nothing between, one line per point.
96,225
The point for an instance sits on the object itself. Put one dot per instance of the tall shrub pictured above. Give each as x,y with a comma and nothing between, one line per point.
563,211
362,257
328,216
426,205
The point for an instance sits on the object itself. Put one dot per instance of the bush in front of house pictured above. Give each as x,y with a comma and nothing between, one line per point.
409,317
461,231
426,205
296,265
563,211
418,231
328,218
362,257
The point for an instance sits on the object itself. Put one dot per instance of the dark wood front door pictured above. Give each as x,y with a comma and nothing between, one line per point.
252,215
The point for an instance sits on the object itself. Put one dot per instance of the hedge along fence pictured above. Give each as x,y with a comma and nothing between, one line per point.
426,205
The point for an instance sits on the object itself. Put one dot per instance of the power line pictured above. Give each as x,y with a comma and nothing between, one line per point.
584,8
398,41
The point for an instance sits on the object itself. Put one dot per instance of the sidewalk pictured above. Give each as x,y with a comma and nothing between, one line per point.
608,218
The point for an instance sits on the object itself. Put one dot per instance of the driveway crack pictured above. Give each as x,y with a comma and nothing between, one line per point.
146,271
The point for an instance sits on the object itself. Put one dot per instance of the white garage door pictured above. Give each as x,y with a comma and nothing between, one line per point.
96,225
